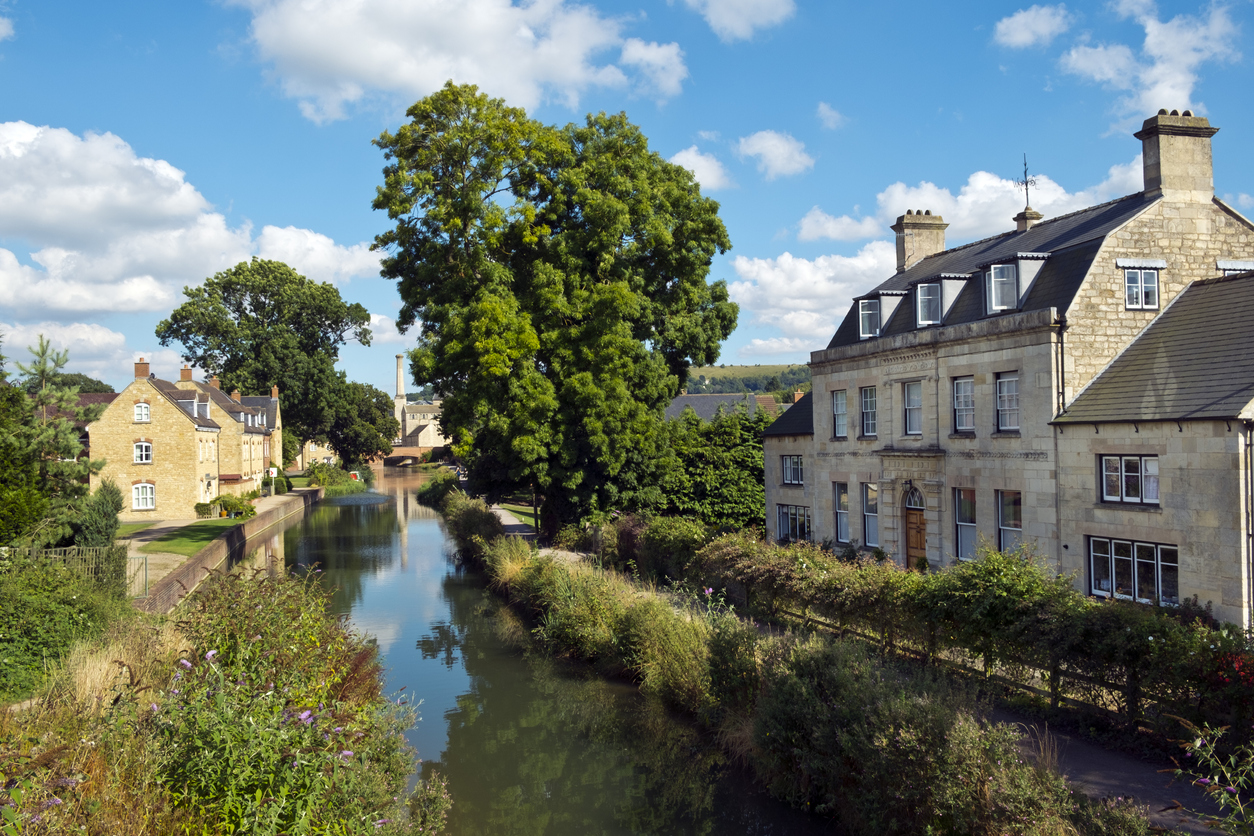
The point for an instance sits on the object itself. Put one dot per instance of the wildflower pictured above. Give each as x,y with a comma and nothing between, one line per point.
185,663
1232,790
154,707
709,590
1203,781
346,754
382,822
306,717
209,656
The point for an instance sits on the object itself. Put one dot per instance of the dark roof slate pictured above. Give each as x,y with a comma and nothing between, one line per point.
266,404
175,394
797,420
1192,362
707,406
1072,241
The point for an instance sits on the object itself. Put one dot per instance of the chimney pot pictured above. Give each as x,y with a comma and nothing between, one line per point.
1176,155
1027,219
141,369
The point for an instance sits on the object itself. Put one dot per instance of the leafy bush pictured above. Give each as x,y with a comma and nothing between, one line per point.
234,505
99,523
325,475
203,510
440,486
471,524
344,489
669,547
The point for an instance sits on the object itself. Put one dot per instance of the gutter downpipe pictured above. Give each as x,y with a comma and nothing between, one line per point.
1249,523
1059,323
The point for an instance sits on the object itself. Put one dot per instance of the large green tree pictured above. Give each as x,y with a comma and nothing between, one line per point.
364,424
560,279
262,324
83,383
721,477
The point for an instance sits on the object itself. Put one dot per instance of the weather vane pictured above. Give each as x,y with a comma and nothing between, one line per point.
1027,182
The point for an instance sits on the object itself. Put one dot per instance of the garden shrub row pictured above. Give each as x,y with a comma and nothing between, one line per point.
880,746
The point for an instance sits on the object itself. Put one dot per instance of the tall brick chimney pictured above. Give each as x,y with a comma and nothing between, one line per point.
235,395
919,234
213,381
185,373
274,392
141,369
1176,155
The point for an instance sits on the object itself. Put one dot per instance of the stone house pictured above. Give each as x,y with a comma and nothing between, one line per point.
939,410
244,444
160,447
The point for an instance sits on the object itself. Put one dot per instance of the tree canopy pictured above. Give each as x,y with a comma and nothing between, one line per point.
83,383
262,324
560,279
364,424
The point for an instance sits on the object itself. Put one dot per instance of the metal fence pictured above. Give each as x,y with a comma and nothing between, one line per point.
107,566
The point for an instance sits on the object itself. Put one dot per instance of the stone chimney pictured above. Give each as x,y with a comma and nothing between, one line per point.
141,369
1027,219
1175,151
274,392
235,395
213,381
919,234
185,373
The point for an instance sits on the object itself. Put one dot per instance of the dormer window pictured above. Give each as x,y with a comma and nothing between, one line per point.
929,304
869,318
1001,284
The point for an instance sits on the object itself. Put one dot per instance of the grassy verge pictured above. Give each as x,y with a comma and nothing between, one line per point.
872,742
524,513
344,489
299,481
127,530
257,712
191,538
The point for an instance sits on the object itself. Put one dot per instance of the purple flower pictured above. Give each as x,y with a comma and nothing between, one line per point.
185,663
174,691
346,754
209,656
1203,781
306,717
339,728
709,590
1232,790
381,822
154,707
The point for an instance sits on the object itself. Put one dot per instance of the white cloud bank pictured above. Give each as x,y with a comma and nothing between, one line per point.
330,54
709,172
1165,73
738,20
1033,26
111,231
94,349
383,331
778,154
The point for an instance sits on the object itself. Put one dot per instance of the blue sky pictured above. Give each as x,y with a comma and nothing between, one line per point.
146,145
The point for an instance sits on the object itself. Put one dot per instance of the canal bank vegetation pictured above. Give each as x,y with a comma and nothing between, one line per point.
251,710
871,740
336,481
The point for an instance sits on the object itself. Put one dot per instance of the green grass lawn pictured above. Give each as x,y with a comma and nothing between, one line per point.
300,481
126,530
191,539
523,512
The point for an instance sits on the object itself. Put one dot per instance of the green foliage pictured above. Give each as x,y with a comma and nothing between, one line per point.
203,510
98,526
471,524
437,488
669,546
1226,775
234,505
261,324
749,379
291,448
45,607
79,381
22,503
560,279
363,425
721,476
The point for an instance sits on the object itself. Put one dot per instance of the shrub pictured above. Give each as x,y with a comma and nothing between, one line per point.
669,653
234,505
669,547
440,486
99,523
203,510
348,488
471,524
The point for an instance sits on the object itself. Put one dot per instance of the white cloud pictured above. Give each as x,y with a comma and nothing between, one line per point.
831,118
807,298
709,172
1166,72
1245,201
737,20
6,28
383,330
818,224
708,136
984,206
1033,26
94,350
330,54
780,345
108,230
778,155
662,65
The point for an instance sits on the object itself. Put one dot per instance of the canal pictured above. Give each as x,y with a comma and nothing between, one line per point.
528,745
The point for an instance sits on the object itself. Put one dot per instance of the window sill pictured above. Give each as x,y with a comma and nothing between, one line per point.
840,438
145,464
962,435
1005,434
1142,507
868,438
792,484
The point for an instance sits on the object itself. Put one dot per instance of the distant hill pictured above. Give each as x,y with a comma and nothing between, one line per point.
717,380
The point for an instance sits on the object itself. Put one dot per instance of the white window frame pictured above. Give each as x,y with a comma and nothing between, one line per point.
793,522
793,470
1132,569
141,453
1138,288
1123,473
912,399
1009,535
868,318
964,529
1008,402
870,514
143,496
928,304
143,413
840,492
1001,280
964,404
868,400
840,413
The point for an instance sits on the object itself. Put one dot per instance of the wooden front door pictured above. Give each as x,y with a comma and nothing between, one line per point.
916,537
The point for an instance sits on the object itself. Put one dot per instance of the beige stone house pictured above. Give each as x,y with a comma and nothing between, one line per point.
940,408
244,446
160,446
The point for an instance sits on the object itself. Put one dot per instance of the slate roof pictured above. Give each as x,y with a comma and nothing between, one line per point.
266,404
707,406
1193,362
175,394
1071,240
230,406
797,420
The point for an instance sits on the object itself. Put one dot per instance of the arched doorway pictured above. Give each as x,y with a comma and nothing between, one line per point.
916,527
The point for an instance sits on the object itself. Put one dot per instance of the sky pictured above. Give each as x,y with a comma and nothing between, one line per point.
145,146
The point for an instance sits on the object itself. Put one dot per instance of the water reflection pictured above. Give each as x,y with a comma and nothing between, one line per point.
528,746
